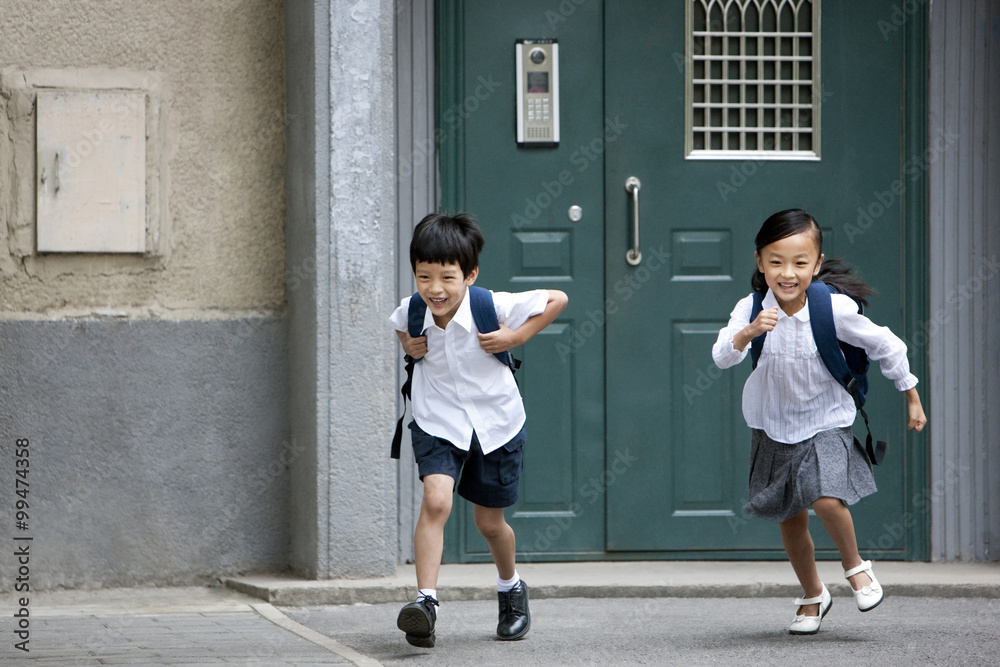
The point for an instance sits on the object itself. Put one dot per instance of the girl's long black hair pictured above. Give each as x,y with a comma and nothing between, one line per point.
834,272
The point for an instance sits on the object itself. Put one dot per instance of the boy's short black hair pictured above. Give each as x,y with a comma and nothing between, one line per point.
442,239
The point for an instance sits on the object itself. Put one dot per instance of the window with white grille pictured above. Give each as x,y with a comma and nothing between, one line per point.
752,79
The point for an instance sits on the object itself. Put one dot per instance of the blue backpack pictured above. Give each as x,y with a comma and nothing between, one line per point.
846,363
484,314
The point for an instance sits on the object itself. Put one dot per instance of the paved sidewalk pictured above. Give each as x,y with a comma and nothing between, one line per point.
166,626
218,625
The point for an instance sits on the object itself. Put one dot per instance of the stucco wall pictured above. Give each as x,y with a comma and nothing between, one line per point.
216,70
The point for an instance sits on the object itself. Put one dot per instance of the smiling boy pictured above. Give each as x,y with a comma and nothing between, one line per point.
468,418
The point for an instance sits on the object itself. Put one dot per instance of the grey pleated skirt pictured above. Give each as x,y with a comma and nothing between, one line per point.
786,479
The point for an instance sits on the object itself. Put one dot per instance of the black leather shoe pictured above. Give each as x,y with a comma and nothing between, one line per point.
515,619
417,621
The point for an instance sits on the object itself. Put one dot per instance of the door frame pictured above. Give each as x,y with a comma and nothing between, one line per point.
915,289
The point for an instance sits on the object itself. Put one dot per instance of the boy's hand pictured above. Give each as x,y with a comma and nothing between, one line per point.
916,418
501,340
415,347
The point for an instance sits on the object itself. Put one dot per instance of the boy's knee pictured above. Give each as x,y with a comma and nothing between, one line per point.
436,504
492,530
491,525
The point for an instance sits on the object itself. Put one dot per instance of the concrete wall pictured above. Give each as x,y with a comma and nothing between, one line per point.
153,388
341,245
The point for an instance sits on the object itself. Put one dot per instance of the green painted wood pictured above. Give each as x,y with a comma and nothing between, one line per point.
521,197
915,281
637,444
681,416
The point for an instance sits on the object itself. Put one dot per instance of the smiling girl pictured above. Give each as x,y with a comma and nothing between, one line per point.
803,451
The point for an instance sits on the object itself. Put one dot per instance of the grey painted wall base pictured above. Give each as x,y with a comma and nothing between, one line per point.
159,451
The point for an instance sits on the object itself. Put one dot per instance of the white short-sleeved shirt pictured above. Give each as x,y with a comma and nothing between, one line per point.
457,386
791,395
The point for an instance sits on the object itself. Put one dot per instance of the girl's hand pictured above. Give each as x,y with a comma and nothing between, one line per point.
501,340
415,347
916,417
766,320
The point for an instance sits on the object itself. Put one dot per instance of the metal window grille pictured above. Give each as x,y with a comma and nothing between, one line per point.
752,79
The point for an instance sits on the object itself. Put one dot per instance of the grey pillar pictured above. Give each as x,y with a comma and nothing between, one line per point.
341,285
963,160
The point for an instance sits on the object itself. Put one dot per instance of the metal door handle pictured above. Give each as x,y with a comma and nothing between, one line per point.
633,256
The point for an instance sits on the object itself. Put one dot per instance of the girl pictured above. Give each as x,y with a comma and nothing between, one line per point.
802,452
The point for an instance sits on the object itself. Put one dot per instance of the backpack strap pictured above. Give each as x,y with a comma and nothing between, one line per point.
757,344
825,334
484,314
415,314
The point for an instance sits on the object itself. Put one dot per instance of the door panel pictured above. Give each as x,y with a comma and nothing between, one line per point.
681,415
521,197
637,446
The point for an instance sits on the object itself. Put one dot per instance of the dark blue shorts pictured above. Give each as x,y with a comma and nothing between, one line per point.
489,480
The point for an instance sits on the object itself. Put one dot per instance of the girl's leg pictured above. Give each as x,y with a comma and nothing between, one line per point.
499,535
840,527
428,538
801,552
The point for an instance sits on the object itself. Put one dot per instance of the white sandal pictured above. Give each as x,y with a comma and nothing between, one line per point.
869,596
809,625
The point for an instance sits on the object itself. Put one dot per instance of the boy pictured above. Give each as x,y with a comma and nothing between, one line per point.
467,413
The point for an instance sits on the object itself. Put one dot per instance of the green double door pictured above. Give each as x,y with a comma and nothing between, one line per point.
637,447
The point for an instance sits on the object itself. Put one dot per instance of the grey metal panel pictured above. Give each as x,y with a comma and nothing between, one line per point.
965,281
416,162
991,360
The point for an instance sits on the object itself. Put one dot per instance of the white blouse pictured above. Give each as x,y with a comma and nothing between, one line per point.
791,395
457,387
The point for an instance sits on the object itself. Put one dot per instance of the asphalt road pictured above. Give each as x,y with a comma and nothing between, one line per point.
678,631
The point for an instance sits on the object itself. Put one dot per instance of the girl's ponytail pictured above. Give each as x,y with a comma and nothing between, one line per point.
834,272
838,274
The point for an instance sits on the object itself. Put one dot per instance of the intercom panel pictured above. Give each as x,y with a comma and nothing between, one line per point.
537,62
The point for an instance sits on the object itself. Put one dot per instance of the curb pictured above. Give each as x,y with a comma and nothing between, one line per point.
310,593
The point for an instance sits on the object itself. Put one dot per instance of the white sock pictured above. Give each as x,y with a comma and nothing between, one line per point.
505,585
429,593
